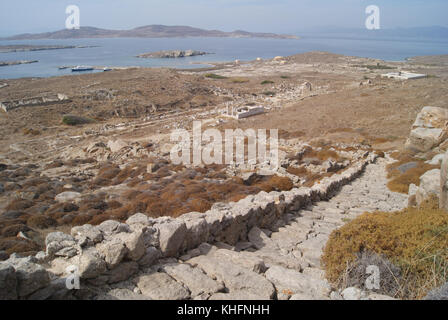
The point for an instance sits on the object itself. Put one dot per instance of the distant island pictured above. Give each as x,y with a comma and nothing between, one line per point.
172,54
15,63
151,31
25,48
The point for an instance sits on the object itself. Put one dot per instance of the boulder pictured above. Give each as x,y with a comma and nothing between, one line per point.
259,239
134,243
424,139
429,185
443,199
121,294
197,230
122,272
116,145
353,293
56,285
234,277
171,237
60,244
91,265
436,160
58,237
111,227
432,117
438,293
246,260
87,231
30,278
8,282
193,278
140,219
297,282
160,286
68,196
112,252
151,255
429,129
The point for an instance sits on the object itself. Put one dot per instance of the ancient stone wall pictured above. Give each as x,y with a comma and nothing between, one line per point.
113,252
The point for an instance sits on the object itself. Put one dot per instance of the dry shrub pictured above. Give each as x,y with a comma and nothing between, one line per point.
13,230
130,194
300,172
106,174
400,181
96,220
357,274
283,134
276,183
114,204
199,205
324,154
94,204
55,164
41,222
19,204
18,245
31,131
414,239
340,130
81,219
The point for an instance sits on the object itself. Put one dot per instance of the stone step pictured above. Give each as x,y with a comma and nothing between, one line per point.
234,277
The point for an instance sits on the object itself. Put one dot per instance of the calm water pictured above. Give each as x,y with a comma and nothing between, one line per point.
122,52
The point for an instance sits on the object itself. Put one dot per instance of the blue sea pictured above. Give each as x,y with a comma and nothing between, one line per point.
122,51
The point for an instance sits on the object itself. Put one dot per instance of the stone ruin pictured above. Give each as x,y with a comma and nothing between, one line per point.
35,101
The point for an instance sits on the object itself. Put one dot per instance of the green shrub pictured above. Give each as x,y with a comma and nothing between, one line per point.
214,76
267,82
72,120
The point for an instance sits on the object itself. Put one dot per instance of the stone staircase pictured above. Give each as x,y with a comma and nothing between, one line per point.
281,264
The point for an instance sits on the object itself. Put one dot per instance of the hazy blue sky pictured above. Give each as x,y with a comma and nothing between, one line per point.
291,16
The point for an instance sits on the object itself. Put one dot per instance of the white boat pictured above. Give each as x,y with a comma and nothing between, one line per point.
82,68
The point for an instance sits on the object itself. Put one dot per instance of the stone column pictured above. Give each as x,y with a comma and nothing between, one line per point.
443,201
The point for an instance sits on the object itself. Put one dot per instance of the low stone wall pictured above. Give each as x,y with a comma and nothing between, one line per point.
112,251
37,101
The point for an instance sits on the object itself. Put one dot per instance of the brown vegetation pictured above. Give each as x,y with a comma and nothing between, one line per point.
414,239
401,179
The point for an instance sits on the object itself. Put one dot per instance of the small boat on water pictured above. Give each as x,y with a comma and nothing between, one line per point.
82,68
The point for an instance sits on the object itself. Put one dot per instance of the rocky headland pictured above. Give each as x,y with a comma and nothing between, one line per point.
167,54
14,63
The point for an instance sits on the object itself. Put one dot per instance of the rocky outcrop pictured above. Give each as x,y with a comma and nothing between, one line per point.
14,63
429,186
443,199
172,54
429,129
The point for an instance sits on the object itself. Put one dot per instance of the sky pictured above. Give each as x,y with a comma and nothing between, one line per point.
280,16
